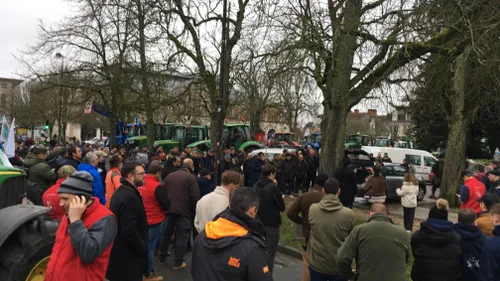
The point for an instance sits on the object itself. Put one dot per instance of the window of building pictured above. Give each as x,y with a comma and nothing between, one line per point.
4,86
3,100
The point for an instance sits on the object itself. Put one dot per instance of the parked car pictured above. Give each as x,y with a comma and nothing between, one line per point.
394,174
270,153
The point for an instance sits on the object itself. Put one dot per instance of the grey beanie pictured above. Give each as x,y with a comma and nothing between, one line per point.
79,183
227,156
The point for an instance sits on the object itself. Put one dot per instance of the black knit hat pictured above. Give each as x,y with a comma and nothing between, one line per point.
79,183
440,211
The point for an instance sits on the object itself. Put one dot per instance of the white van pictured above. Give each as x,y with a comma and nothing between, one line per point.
421,160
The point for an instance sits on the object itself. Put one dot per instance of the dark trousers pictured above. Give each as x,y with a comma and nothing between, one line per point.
272,235
316,276
409,217
311,178
300,183
288,185
181,226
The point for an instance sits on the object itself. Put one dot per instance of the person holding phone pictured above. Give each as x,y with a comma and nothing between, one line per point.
85,236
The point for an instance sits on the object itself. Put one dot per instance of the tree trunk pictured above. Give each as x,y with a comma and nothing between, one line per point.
455,146
254,122
332,137
144,77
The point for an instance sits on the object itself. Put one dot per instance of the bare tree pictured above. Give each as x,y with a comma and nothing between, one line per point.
192,27
351,47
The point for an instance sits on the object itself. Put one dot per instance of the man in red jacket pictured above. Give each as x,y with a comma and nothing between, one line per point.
51,198
85,236
156,204
470,192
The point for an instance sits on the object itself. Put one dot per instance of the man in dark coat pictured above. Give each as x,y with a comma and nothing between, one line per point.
472,242
231,248
205,182
301,174
256,168
129,256
171,166
437,170
313,161
247,166
347,180
271,206
74,156
436,247
183,191
288,174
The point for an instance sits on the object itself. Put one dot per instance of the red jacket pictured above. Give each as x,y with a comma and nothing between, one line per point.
476,191
154,211
65,264
51,199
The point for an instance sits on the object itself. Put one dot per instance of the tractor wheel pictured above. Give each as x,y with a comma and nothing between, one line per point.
24,256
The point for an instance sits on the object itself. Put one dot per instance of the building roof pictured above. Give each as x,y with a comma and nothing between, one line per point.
13,81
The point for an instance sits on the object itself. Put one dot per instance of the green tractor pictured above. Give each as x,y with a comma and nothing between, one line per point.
179,135
27,235
234,135
356,141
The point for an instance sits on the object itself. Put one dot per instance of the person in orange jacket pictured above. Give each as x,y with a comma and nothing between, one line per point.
113,177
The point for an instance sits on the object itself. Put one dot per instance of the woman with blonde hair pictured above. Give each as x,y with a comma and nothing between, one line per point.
51,198
408,193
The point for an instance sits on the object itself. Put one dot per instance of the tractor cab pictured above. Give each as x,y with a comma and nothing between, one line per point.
314,140
233,135
285,140
356,141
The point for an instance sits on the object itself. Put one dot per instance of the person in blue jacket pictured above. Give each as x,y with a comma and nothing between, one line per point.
471,242
97,186
489,264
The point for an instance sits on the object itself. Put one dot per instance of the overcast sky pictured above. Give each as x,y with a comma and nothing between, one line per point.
18,28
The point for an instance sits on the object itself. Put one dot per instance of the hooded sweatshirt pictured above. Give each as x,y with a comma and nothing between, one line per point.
330,224
230,248
271,203
471,243
437,252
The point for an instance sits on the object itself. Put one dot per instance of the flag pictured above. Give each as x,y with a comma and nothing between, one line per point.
307,132
5,130
10,148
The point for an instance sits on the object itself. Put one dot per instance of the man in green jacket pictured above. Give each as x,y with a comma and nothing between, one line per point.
39,171
381,249
330,224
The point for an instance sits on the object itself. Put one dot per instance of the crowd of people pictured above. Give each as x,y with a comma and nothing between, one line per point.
120,210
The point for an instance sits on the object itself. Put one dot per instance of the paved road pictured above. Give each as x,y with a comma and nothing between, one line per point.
286,269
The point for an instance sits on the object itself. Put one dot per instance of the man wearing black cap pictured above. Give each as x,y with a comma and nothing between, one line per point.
484,221
85,236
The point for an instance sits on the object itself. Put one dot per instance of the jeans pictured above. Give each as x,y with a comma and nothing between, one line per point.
182,227
272,235
154,235
316,276
409,217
